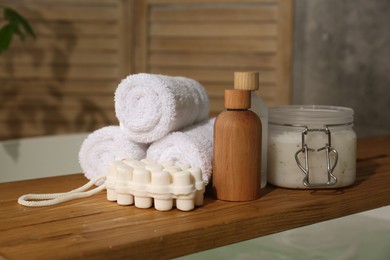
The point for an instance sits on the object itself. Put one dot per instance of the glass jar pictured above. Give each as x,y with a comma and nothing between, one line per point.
311,147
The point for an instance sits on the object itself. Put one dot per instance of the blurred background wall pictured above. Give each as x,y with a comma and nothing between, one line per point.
342,57
64,81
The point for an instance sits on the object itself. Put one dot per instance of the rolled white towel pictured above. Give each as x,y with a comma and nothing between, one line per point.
150,106
105,145
193,145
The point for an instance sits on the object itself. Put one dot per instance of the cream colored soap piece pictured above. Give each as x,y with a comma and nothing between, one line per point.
112,167
172,169
181,178
154,167
144,183
112,195
135,164
143,202
111,179
183,166
196,174
149,161
185,204
124,172
160,184
160,178
125,199
163,204
141,176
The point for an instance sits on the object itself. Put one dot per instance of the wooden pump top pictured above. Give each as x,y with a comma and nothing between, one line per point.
237,99
246,80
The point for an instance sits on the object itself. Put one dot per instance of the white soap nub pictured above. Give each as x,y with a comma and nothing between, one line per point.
196,178
124,172
141,176
135,164
112,168
181,178
185,204
124,199
163,204
183,166
148,161
154,167
172,169
143,202
160,178
196,173
111,195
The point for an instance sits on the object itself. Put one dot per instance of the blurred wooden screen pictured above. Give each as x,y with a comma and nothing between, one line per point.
209,40
64,80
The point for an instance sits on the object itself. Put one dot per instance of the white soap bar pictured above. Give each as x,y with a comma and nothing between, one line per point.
146,182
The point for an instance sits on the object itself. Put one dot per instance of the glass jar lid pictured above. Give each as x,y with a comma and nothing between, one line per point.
303,115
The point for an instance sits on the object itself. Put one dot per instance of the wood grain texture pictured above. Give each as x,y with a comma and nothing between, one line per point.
248,80
237,154
97,228
237,99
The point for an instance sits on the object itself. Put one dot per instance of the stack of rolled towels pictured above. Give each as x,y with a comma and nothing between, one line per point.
162,118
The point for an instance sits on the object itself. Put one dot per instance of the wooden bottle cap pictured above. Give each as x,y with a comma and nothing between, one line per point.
246,80
237,99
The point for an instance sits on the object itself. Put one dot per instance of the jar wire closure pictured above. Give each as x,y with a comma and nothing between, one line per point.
339,116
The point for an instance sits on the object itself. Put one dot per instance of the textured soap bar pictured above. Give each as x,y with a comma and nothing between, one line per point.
146,183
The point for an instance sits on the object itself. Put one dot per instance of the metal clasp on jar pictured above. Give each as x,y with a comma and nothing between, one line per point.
332,180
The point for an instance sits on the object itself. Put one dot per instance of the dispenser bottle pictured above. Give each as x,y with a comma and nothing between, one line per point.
250,81
237,149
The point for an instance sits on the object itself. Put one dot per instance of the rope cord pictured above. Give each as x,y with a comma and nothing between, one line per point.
49,199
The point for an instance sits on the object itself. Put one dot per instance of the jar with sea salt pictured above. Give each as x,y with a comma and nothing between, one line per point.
311,147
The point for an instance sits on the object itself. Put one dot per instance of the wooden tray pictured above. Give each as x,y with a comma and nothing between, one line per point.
96,228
